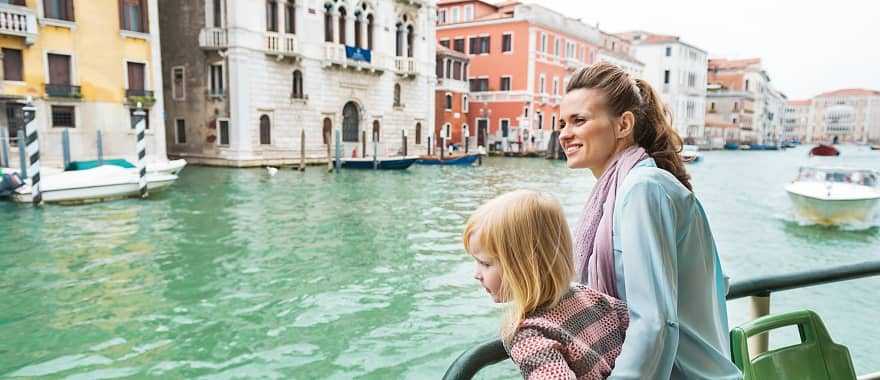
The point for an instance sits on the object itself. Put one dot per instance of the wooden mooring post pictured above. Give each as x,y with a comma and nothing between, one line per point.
302,150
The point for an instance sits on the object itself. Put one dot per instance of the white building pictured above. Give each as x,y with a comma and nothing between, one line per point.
774,114
677,70
848,115
796,120
619,51
245,79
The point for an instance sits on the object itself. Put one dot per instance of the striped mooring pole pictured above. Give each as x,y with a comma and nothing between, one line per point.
33,150
140,126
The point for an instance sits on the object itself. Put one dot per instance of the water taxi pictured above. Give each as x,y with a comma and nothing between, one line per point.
830,196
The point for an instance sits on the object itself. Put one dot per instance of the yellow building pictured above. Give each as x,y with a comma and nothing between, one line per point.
85,64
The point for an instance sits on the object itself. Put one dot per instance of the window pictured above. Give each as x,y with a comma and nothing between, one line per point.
712,107
218,13
444,43
666,77
59,69
328,25
12,65
447,131
63,117
448,69
556,47
343,16
479,45
692,80
178,83
553,123
468,12
272,16
505,84
543,42
441,16
146,118
540,120
449,102
542,87
464,104
136,79
216,88
298,85
479,85
506,43
555,86
505,128
58,9
180,131
357,32
456,70
134,15
370,24
397,94
224,131
290,18
376,132
458,45
747,84
418,133
265,130
456,14
669,51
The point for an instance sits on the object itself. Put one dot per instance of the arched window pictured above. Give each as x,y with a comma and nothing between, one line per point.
297,84
398,41
418,133
350,122
342,17
553,123
370,25
449,102
397,94
447,131
410,38
328,126
464,103
357,30
328,23
265,130
376,132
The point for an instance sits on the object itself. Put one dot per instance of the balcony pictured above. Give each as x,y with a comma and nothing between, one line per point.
416,3
18,21
282,45
213,38
349,57
572,64
549,58
63,91
405,66
135,96
500,96
452,85
542,98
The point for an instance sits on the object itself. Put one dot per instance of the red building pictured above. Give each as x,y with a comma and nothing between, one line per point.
520,59
451,119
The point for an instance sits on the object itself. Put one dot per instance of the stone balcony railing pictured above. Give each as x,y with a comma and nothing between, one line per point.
452,85
213,38
551,58
500,96
335,54
19,21
405,66
282,44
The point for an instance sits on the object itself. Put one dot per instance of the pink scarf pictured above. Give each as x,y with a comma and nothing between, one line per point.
593,250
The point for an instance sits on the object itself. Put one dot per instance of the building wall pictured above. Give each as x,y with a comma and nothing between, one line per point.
99,51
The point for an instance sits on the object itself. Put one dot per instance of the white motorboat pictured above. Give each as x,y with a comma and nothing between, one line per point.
827,195
690,153
166,167
92,185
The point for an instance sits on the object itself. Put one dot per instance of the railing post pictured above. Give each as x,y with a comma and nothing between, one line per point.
759,306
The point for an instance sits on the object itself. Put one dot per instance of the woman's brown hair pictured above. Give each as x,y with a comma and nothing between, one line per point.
653,125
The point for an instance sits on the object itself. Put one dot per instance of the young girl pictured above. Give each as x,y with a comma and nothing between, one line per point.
555,330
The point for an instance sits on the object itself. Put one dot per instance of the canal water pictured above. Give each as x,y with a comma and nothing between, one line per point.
234,274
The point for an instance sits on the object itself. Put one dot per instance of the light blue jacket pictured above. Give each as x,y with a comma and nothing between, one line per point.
669,274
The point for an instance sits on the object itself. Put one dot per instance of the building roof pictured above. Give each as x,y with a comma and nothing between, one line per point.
640,37
443,50
723,63
849,92
803,102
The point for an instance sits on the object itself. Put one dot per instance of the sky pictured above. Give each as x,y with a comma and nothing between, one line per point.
806,46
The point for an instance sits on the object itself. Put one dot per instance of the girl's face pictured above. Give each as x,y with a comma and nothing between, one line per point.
487,270
589,135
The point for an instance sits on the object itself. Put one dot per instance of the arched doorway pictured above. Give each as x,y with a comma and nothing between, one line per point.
328,126
350,122
265,130
418,133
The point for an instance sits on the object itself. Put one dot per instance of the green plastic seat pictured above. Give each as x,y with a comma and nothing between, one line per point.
817,357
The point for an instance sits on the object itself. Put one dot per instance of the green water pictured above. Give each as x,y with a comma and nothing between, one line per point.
232,274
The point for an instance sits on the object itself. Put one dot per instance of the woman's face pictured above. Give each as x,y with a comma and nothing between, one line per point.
589,134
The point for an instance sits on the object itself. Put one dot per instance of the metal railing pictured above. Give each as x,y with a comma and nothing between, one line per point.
138,93
63,90
758,289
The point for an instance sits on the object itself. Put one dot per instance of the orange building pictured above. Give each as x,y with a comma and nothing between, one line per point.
451,119
520,59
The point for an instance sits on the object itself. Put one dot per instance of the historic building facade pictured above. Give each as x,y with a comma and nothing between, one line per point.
246,80
85,64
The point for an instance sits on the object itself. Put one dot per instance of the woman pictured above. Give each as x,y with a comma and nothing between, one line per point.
644,237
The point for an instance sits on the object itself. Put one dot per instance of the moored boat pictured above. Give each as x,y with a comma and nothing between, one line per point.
875,147
465,160
101,183
163,167
388,163
690,153
835,195
824,150
731,146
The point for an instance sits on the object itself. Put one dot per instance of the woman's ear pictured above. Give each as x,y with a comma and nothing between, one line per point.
626,124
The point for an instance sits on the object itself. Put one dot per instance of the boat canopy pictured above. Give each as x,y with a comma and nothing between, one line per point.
842,175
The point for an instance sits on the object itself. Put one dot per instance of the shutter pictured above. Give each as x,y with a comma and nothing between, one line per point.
12,63
122,23
136,76
59,69
68,9
145,17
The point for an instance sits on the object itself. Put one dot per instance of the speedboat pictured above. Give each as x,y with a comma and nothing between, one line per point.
162,167
835,195
101,183
690,153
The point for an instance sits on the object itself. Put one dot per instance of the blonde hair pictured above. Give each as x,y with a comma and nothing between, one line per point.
526,232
